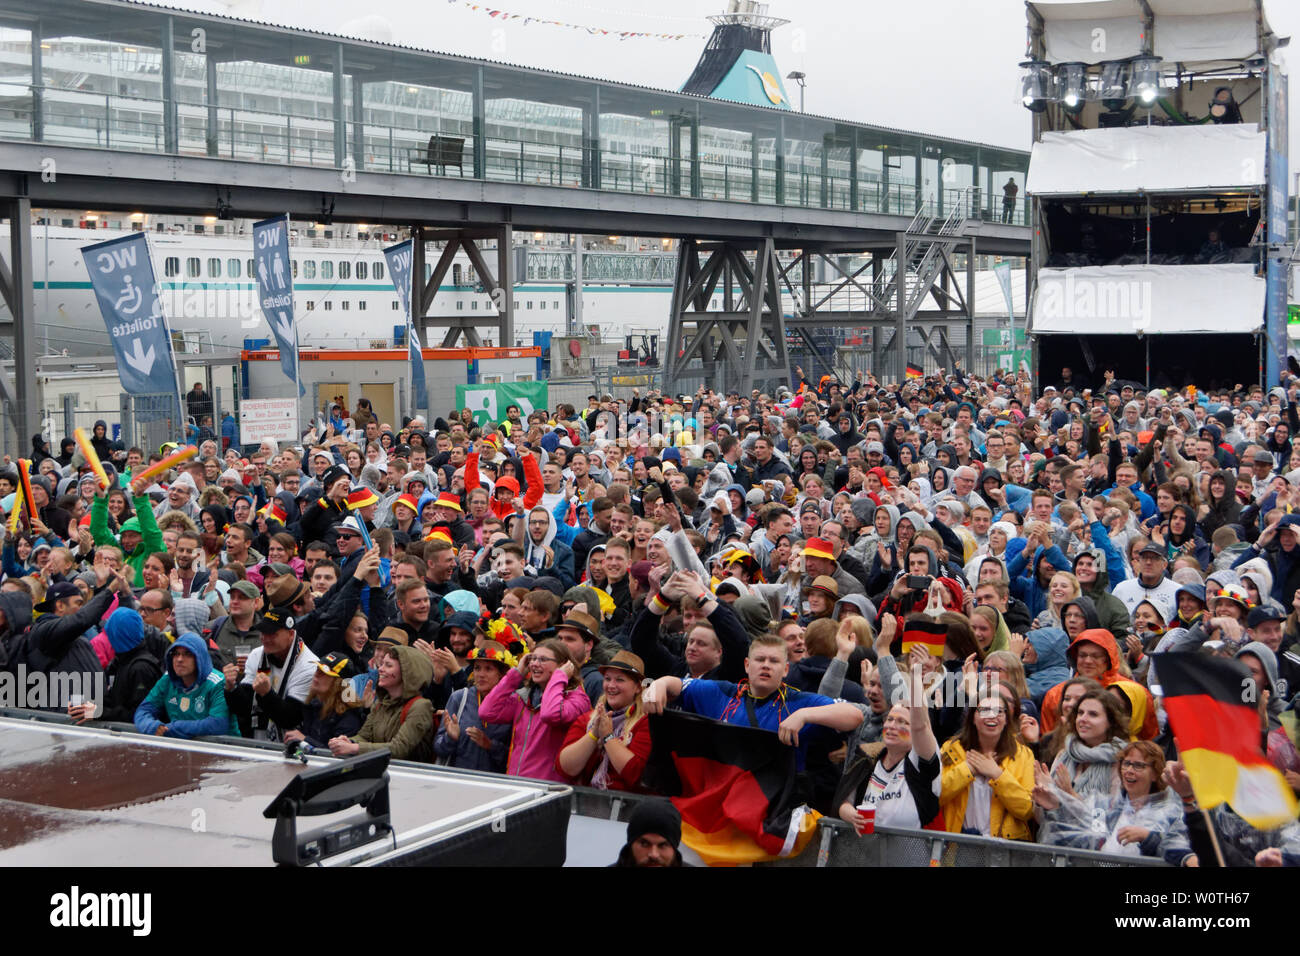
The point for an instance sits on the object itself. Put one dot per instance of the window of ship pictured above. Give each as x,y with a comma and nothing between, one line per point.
555,304
378,271
193,267
214,268
234,268
252,271
361,306
396,305
345,270
346,305
327,269
455,274
293,267
311,305
329,306
543,304
362,270
530,303
171,266
460,304
309,268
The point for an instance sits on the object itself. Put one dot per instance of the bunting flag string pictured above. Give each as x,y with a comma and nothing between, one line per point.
505,16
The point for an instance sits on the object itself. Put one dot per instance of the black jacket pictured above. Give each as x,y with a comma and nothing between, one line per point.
132,676
55,645
807,673
659,661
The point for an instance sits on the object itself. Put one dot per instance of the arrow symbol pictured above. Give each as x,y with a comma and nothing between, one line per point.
141,359
284,328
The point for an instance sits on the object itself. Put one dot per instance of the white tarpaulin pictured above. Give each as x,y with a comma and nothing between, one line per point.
1153,300
1184,31
1224,36
1092,41
1150,159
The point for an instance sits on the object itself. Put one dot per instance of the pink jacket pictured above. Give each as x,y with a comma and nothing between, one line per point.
538,734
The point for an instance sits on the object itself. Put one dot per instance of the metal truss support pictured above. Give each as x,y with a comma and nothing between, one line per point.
742,346
499,283
20,402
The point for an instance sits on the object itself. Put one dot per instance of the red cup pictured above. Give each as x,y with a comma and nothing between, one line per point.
868,823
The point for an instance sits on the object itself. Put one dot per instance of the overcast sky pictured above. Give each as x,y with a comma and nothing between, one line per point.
947,67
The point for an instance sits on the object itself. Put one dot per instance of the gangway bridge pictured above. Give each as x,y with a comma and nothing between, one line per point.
118,105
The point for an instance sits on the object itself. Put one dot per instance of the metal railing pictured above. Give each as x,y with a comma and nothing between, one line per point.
135,123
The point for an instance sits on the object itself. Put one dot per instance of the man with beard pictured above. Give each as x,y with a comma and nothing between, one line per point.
653,833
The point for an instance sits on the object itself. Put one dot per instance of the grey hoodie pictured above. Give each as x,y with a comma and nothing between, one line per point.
1276,701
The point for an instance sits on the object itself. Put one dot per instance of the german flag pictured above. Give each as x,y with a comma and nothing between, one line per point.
914,371
1211,703
736,788
930,634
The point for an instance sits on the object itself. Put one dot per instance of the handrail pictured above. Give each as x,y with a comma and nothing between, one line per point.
133,122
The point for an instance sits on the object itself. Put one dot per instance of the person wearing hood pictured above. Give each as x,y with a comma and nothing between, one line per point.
138,537
100,441
188,700
134,670
720,525
1279,544
544,552
1031,573
401,719
1044,660
1221,502
1095,654
1090,567
1179,534
846,433
56,644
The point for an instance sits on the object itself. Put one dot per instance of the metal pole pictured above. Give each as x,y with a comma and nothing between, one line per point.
38,85
26,418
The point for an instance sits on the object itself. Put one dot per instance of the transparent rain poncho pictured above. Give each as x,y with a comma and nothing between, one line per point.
1093,823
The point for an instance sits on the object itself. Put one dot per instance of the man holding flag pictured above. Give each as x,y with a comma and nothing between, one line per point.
738,792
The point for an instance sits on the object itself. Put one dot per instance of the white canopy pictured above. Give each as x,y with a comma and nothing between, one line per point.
1149,159
1153,300
1184,31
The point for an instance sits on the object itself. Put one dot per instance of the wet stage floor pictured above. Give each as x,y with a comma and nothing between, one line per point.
71,796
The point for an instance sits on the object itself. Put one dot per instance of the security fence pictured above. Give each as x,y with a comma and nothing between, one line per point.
837,845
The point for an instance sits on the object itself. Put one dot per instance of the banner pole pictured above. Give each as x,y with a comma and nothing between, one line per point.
171,348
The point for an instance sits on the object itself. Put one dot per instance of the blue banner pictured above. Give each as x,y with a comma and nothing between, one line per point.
399,259
275,289
123,279
1278,257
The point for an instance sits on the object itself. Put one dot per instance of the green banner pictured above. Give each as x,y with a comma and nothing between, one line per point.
1001,338
489,402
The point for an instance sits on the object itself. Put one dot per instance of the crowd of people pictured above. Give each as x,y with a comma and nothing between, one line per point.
945,593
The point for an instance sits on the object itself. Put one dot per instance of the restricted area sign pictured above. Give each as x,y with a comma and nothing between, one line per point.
261,418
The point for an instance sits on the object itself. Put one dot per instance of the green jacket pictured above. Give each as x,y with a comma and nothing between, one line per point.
151,541
408,737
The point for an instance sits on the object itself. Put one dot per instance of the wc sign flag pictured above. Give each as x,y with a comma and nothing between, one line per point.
122,276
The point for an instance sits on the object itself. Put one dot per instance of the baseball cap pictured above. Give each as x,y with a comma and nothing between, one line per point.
1264,613
247,588
273,619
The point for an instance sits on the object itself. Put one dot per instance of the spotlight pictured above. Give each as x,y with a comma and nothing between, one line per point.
1146,80
1035,85
1071,86
1223,108
1112,85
